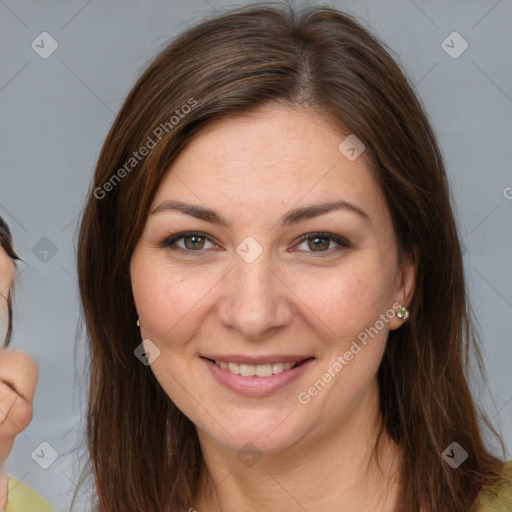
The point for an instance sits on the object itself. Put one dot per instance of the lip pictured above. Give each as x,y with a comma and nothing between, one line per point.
257,386
243,359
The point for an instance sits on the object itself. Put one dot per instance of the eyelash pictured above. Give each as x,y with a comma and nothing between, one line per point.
343,243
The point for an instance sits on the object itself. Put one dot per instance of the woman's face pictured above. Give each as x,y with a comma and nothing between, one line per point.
250,294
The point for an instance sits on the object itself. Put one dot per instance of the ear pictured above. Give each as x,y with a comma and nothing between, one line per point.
405,283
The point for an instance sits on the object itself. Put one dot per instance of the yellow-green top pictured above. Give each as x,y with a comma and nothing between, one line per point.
498,498
21,498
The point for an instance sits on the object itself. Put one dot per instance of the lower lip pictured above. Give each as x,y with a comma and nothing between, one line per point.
257,386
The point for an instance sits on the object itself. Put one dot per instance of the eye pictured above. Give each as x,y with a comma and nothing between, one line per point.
196,241
193,241
322,242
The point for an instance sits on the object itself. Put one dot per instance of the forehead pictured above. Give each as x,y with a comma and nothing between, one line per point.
276,157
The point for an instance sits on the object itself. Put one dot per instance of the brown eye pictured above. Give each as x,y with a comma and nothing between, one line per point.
323,243
189,241
318,243
194,242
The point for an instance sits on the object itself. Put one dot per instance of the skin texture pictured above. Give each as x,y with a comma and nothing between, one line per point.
290,300
7,274
18,380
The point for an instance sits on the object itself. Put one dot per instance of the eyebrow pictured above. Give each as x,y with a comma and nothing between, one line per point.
292,217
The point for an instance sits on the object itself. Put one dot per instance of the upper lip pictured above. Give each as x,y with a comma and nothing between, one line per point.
267,359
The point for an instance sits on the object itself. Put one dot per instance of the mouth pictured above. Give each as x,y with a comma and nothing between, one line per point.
257,377
257,370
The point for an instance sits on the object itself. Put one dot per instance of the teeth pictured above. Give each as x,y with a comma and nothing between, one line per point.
259,370
234,367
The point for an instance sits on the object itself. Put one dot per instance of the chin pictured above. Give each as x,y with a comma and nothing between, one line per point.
265,434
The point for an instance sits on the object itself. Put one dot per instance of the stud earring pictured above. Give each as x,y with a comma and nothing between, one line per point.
403,312
138,322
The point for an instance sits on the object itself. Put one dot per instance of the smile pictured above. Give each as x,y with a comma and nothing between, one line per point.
256,377
258,370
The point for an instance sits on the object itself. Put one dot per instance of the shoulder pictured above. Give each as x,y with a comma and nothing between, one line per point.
498,497
22,498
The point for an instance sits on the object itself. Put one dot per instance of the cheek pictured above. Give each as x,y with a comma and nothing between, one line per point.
346,299
169,300
19,418
7,399
23,414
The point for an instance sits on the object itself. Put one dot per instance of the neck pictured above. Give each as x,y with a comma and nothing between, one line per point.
334,471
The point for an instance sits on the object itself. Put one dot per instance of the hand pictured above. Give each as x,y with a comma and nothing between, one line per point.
18,381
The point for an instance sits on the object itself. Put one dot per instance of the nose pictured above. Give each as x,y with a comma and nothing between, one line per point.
254,300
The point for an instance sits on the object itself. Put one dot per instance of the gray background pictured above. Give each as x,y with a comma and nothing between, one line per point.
57,111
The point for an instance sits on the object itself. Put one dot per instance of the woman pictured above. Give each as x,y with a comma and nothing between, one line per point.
7,274
18,380
272,284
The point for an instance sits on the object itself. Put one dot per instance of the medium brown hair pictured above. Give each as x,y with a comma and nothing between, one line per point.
6,245
144,452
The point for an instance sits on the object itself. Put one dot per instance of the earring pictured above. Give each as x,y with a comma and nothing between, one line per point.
403,312
138,322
